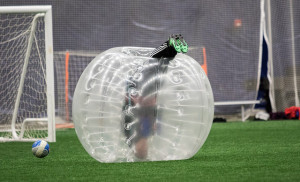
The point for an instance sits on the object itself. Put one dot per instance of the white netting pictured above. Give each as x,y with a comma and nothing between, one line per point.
14,37
229,32
74,64
283,33
228,29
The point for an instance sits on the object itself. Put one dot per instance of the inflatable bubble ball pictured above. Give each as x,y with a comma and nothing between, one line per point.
130,107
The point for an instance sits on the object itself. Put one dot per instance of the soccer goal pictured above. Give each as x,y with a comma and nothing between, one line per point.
69,66
26,74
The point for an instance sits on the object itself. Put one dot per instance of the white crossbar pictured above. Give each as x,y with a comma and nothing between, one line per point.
241,103
245,102
24,9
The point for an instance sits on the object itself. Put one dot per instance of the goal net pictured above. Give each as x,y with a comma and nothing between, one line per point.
69,65
283,36
26,69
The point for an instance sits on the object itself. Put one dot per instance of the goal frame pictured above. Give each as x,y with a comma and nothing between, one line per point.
46,12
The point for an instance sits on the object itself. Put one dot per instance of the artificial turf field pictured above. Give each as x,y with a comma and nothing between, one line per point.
251,151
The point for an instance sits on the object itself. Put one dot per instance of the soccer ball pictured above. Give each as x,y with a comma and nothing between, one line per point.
40,148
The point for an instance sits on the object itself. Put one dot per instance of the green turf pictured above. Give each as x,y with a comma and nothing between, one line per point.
252,151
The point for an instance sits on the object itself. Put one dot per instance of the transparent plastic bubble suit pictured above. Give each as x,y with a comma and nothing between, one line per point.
129,107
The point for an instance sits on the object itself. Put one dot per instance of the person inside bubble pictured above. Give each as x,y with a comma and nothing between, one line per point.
140,108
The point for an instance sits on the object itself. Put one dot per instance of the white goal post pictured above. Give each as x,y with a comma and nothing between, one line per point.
27,107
